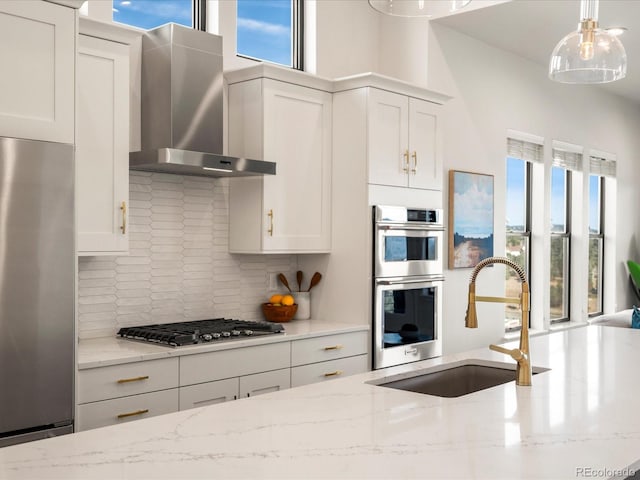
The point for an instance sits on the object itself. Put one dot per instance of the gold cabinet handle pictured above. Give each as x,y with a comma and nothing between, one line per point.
414,155
405,168
134,379
333,347
270,215
123,227
133,414
333,374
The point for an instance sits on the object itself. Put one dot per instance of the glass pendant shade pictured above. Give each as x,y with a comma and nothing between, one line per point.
590,54
418,8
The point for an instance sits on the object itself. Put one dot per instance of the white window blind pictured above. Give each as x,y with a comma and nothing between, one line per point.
566,159
602,166
529,151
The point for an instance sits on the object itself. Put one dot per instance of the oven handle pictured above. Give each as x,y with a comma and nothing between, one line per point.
409,280
430,228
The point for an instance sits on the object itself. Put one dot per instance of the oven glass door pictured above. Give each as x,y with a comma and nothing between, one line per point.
407,320
408,251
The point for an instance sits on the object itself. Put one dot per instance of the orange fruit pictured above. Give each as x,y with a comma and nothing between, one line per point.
276,298
287,300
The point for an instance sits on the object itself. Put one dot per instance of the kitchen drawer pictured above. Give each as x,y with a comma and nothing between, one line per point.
126,409
329,347
209,393
206,367
267,382
128,379
323,371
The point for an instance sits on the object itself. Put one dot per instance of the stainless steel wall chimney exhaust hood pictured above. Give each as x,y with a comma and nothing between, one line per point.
182,107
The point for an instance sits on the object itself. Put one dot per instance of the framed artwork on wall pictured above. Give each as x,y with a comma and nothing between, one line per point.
470,218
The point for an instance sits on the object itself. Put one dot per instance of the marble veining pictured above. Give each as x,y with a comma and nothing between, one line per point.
581,414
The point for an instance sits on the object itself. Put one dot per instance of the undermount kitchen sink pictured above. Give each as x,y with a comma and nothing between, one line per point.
454,379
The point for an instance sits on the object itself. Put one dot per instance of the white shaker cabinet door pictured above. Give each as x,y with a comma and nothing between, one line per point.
388,133
289,212
102,147
37,54
425,167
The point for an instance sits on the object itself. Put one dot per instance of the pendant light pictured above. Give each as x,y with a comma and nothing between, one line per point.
418,8
590,54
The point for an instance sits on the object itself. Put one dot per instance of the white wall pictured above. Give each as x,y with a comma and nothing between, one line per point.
494,91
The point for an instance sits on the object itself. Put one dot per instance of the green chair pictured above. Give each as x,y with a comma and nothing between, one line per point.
634,276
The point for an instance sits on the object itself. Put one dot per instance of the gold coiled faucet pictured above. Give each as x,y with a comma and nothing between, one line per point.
520,355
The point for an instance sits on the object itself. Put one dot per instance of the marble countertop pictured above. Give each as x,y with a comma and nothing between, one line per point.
104,351
578,418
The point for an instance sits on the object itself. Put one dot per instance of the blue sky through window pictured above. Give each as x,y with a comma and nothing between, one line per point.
152,13
594,204
515,207
265,29
558,199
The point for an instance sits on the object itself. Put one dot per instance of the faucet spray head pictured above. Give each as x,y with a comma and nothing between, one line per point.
471,318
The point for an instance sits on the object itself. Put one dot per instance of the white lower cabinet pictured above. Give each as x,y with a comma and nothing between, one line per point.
323,371
208,393
267,382
121,393
220,391
327,357
125,409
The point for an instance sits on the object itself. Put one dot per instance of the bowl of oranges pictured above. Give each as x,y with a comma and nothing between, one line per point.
280,308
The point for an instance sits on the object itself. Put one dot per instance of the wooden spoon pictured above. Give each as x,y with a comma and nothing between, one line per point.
314,280
284,281
299,278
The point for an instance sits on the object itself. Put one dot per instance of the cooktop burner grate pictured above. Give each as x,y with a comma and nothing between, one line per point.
199,331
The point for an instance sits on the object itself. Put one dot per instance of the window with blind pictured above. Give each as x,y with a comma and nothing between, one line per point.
520,156
564,162
599,168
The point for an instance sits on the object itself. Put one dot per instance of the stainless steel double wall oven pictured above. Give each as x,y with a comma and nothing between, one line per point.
407,284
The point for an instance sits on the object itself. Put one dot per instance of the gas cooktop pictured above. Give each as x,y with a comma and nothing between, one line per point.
199,331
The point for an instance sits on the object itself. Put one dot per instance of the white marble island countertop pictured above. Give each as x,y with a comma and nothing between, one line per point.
578,418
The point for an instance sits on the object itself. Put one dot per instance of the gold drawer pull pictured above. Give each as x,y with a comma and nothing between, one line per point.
133,414
270,215
123,227
134,379
333,374
334,347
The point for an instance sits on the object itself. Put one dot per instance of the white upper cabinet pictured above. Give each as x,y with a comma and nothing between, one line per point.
37,54
403,141
288,124
102,146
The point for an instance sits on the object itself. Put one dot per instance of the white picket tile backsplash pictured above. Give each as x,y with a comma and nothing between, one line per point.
178,267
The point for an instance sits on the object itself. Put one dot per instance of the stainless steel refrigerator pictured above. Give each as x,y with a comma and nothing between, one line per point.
37,275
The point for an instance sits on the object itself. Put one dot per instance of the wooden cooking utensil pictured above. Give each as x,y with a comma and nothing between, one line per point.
299,278
314,280
284,281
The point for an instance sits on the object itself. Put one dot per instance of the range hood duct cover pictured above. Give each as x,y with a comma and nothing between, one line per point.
182,107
